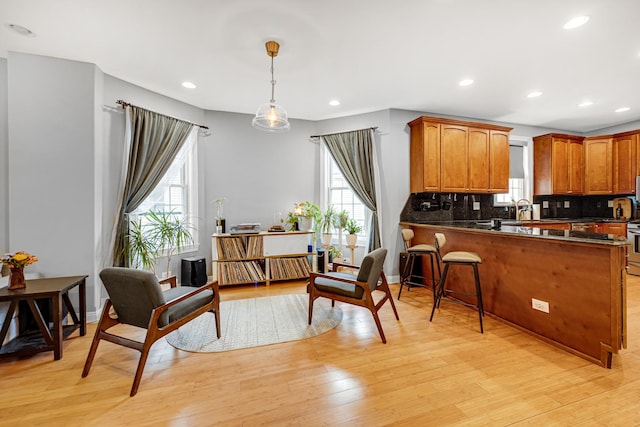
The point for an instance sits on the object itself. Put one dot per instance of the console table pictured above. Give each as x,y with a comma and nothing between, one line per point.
49,338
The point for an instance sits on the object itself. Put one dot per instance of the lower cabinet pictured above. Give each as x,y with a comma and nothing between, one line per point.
263,257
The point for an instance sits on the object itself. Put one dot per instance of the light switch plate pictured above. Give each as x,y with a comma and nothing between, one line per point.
567,204
476,206
545,204
610,203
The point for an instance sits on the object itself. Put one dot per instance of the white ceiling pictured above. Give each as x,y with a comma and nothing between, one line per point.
371,55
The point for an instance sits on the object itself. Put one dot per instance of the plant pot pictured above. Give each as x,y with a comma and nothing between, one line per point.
305,223
352,239
326,239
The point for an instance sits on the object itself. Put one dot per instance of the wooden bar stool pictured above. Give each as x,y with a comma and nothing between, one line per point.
457,258
407,278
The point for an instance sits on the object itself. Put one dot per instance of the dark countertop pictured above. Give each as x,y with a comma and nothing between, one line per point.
528,229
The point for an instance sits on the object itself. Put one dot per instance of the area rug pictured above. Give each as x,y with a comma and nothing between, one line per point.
255,322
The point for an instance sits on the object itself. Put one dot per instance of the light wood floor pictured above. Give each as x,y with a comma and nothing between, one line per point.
440,373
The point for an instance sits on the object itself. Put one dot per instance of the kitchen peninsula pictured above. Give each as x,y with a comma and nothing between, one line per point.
580,275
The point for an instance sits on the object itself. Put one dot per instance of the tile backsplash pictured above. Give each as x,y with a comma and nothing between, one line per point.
460,206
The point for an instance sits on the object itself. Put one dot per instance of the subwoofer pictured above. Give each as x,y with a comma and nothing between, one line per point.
194,272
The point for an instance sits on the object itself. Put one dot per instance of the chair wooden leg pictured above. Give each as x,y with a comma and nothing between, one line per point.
379,325
217,316
105,323
311,300
144,353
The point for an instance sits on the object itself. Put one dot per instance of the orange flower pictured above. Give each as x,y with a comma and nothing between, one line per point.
18,260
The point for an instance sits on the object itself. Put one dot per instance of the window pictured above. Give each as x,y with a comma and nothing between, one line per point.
518,175
177,190
340,195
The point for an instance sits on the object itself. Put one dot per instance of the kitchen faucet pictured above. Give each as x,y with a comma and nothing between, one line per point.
520,211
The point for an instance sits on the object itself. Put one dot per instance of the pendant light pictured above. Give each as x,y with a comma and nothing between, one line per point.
271,117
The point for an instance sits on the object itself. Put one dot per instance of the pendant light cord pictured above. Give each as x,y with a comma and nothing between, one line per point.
273,84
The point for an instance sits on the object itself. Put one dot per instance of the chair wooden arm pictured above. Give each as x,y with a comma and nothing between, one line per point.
157,312
363,285
336,265
171,280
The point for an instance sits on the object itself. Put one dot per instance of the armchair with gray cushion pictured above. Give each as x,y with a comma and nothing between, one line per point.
138,299
355,289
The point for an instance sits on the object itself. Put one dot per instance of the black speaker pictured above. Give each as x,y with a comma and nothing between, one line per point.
194,272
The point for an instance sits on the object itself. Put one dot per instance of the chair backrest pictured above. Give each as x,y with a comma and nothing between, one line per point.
407,235
133,293
371,267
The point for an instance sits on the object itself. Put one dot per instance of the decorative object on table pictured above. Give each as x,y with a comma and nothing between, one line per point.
16,263
277,223
220,222
162,234
271,117
305,216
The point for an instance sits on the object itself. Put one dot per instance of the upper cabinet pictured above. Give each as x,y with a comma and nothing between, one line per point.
569,164
598,165
625,162
457,156
558,162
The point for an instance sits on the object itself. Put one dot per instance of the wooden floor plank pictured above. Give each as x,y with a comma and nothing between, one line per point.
439,373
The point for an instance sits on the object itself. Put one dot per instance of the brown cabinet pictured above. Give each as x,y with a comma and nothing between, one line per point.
625,162
456,156
598,165
558,164
618,228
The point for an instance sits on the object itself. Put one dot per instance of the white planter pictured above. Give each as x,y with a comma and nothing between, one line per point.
326,239
305,223
352,239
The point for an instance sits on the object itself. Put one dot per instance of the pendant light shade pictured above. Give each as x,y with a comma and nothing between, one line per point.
271,117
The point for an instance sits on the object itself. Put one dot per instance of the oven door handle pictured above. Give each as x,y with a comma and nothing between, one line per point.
633,232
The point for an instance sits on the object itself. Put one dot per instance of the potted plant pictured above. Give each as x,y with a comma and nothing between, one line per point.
352,228
342,218
327,223
335,254
305,216
164,234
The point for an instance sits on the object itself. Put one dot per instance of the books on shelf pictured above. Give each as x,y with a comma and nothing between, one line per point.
288,268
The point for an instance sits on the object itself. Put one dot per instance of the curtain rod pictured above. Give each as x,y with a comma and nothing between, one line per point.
373,128
127,104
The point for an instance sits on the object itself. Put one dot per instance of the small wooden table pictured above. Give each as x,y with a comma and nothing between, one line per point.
57,290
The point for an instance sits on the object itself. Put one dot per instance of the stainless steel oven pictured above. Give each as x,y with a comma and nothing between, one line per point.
633,260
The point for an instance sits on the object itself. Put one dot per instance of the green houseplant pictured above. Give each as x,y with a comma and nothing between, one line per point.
327,224
305,214
163,234
352,228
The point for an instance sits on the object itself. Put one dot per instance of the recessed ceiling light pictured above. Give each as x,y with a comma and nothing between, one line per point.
24,31
622,109
585,104
465,82
534,94
188,85
575,22
334,102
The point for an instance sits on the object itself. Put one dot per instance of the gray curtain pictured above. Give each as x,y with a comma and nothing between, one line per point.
353,153
155,141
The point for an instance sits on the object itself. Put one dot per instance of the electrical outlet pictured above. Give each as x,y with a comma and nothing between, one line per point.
610,203
476,206
545,204
567,204
540,305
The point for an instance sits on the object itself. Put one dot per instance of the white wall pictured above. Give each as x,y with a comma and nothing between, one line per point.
4,159
259,173
51,125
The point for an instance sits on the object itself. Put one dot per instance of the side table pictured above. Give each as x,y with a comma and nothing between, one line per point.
50,339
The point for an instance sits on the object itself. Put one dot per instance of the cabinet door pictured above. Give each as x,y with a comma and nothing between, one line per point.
560,165
478,160
598,166
453,160
624,164
576,167
425,157
499,162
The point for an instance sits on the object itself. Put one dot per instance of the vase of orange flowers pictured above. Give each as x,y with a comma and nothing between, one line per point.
16,263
